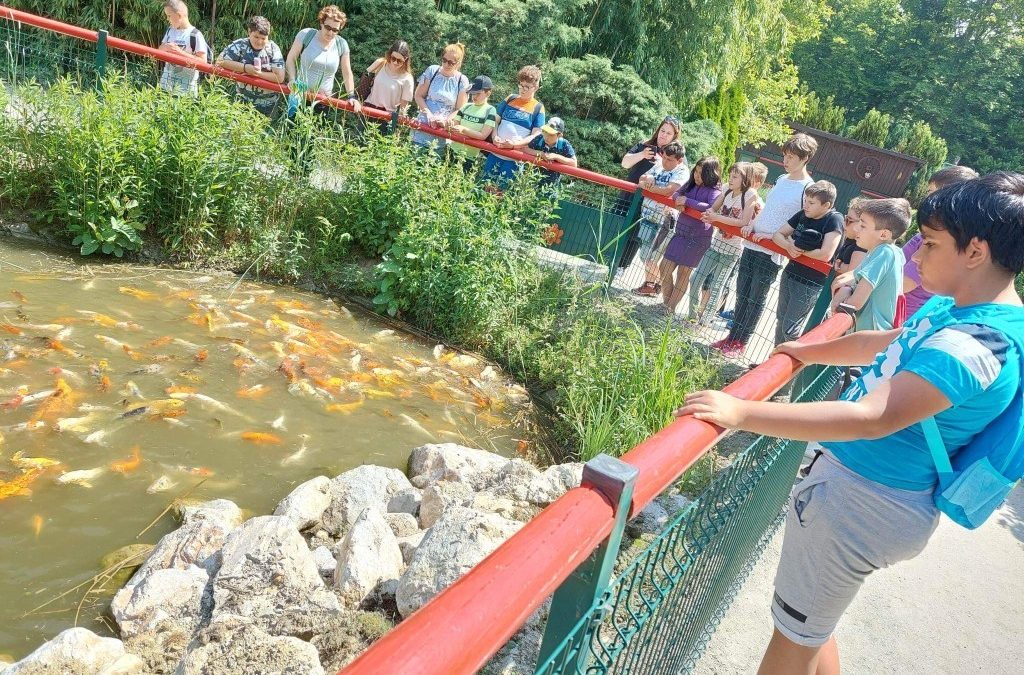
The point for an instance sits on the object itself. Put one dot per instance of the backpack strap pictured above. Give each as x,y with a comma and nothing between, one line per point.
308,40
937,447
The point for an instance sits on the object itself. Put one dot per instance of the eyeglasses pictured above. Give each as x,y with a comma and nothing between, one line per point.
530,85
397,60
332,29
449,62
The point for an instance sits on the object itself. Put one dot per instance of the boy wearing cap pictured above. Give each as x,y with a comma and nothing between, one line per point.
477,119
552,147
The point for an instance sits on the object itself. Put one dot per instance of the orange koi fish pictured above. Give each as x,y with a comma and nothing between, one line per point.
202,355
345,408
167,407
180,389
37,524
104,383
13,330
261,437
137,293
255,391
161,341
126,465
18,487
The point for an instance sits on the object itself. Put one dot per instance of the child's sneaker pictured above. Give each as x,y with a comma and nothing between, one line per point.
727,314
648,289
734,348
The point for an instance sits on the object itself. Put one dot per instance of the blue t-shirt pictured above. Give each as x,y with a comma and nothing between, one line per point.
561,147
975,366
883,269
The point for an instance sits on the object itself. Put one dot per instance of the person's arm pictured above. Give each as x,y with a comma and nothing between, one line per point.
828,247
350,81
480,135
293,56
631,159
893,405
666,190
854,349
523,142
420,95
784,238
462,100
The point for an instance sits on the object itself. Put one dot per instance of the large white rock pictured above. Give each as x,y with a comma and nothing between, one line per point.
458,541
169,599
516,479
368,555
198,541
268,574
354,491
439,497
233,645
435,462
409,544
306,504
554,482
504,507
326,563
79,651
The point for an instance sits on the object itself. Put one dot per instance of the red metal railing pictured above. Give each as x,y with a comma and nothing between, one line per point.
464,625
180,60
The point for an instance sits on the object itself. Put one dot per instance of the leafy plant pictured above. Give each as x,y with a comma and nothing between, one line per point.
116,235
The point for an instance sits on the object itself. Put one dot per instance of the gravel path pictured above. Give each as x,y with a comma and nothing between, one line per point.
956,608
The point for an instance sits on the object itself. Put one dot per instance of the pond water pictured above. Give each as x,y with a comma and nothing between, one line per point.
125,387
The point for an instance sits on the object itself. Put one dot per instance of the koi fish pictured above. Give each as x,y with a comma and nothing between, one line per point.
387,377
66,374
414,425
137,293
104,383
18,487
12,329
19,296
151,369
35,463
82,477
126,465
383,334
79,424
200,471
180,389
298,454
208,402
278,424
345,408
201,355
378,394
161,341
161,484
131,389
111,343
37,524
261,437
25,426
165,407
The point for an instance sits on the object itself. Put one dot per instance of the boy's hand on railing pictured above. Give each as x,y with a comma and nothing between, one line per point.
747,231
715,407
795,349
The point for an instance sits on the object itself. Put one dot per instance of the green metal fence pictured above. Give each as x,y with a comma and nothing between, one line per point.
660,611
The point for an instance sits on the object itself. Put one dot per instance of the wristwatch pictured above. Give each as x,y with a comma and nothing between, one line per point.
847,308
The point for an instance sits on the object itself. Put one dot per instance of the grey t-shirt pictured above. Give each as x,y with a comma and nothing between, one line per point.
178,79
317,66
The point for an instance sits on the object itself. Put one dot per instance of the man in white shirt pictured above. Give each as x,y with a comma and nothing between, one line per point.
758,266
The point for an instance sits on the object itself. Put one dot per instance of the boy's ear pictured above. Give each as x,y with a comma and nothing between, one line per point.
977,253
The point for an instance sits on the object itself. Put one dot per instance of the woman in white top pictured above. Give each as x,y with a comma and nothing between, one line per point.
393,83
316,56
442,92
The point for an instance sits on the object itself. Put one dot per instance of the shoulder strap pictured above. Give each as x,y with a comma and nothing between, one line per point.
337,43
937,447
430,82
308,40
193,39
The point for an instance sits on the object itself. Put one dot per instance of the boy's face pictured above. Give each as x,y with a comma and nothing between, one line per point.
258,40
868,236
480,97
791,162
938,261
550,139
176,19
668,162
528,89
814,207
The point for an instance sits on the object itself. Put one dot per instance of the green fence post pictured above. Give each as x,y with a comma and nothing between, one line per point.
614,479
101,57
628,226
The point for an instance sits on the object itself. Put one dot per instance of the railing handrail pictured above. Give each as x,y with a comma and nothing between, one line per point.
130,47
465,624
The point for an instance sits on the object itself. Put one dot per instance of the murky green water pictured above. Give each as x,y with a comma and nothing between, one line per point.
142,382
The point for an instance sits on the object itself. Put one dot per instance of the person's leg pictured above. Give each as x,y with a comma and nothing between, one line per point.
701,279
666,273
828,658
785,657
720,278
782,318
744,284
763,274
802,296
679,288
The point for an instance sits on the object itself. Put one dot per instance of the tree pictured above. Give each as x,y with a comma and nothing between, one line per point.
823,113
873,128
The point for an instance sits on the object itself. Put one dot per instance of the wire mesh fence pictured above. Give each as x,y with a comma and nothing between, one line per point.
660,611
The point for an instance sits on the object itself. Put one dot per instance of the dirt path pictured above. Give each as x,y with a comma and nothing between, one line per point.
956,608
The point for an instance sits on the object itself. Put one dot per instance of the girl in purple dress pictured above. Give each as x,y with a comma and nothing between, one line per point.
692,237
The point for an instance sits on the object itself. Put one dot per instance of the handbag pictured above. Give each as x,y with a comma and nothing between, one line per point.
366,81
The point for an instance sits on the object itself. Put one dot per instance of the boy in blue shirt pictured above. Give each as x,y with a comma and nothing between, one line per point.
552,147
877,281
876,467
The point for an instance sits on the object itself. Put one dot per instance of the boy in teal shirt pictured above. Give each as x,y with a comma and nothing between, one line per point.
477,119
877,282
876,469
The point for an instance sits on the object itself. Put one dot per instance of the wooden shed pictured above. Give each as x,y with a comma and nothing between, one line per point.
855,168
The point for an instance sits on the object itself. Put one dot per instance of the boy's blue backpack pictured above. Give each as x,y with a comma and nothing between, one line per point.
978,478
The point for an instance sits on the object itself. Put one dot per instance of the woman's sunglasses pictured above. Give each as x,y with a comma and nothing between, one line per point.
332,29
397,60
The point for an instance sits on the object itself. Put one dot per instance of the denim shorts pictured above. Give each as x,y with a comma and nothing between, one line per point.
648,232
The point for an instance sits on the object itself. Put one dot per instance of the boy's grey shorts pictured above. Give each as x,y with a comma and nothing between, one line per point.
840,528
